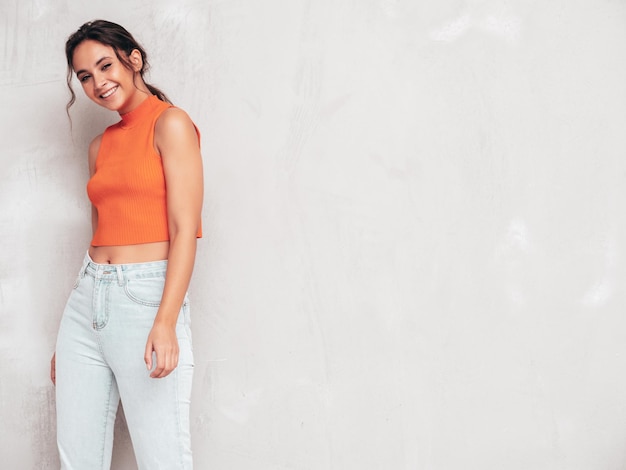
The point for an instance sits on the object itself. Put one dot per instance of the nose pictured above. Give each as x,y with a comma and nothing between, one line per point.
99,80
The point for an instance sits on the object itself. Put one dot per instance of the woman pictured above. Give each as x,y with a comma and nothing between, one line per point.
125,330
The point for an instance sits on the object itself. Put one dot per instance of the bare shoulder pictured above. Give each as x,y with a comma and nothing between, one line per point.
174,115
174,124
94,148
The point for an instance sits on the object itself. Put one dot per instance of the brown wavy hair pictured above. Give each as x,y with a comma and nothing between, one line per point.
115,36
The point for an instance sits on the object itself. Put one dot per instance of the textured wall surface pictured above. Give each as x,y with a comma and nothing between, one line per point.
415,228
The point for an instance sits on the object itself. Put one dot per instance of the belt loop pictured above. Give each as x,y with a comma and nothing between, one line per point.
120,275
83,269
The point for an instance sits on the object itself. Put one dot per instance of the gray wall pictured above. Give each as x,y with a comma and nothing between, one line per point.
415,228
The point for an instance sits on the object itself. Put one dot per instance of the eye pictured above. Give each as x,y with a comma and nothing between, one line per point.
83,78
105,66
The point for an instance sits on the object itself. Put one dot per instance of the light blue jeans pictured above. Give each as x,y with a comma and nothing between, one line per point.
100,359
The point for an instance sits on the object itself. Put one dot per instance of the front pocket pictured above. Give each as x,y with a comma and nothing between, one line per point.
145,291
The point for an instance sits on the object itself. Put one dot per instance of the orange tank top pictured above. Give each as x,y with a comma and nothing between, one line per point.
128,185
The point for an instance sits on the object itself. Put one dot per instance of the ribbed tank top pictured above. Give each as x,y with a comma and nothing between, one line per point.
128,185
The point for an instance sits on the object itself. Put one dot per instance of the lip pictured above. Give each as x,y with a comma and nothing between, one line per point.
110,92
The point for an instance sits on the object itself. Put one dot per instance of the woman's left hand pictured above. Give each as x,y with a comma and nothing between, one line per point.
163,342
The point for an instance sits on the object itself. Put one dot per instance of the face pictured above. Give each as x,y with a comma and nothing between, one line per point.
106,80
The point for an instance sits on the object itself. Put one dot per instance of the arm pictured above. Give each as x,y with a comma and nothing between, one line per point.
177,142
94,146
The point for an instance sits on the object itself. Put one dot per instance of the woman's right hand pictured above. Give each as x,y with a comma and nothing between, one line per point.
53,369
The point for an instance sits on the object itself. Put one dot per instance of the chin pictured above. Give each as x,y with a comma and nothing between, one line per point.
115,105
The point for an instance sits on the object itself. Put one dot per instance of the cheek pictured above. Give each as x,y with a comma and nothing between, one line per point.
86,88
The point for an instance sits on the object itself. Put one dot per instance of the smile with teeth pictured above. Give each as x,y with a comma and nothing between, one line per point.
108,93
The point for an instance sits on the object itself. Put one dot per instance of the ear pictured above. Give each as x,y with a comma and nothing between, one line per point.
136,60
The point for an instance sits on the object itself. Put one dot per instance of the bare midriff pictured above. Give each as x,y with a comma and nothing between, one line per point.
126,254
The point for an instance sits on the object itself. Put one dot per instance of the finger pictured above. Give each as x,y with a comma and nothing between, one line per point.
163,369
161,360
147,355
172,363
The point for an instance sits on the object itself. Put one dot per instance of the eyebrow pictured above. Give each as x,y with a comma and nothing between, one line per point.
78,72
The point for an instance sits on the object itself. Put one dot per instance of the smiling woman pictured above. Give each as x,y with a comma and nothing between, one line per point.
129,309
106,80
120,45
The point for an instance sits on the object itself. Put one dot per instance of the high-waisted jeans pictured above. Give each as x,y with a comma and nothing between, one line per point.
100,360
